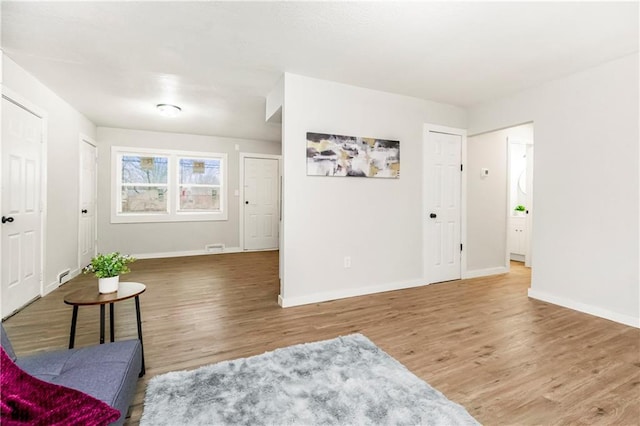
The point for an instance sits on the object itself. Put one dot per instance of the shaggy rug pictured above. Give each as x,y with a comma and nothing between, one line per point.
343,381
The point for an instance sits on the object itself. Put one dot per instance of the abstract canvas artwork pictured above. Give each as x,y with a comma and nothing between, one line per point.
337,155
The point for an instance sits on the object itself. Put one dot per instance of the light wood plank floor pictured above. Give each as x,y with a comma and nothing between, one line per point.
506,358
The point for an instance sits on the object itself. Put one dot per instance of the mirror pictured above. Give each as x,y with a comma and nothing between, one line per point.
522,182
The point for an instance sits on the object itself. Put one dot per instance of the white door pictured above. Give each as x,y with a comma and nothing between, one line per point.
261,203
87,238
443,215
21,198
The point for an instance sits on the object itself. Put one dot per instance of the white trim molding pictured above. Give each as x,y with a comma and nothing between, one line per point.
287,302
476,273
172,213
54,285
162,255
585,308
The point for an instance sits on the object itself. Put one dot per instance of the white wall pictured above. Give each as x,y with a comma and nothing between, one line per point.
585,235
65,125
486,204
274,101
487,199
154,239
377,222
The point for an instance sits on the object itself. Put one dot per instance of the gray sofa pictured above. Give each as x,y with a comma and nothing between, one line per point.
108,372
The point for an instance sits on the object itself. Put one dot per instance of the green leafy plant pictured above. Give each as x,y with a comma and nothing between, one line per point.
109,265
519,208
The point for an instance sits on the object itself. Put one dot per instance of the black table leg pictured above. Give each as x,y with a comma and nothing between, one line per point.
111,323
74,320
101,324
140,334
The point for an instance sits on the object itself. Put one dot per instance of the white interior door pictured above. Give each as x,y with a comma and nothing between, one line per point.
443,216
88,182
261,203
21,206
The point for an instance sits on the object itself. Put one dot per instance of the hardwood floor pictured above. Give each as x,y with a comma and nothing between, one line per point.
507,358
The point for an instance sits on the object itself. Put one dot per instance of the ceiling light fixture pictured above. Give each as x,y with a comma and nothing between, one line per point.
168,110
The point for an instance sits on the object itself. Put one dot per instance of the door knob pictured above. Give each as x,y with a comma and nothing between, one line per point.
433,215
246,202
7,219
84,211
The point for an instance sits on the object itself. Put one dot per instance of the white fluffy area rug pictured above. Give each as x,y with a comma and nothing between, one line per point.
343,381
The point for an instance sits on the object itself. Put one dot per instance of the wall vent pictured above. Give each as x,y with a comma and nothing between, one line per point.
214,248
62,275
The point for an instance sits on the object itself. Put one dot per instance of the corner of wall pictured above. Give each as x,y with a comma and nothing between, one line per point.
275,99
585,308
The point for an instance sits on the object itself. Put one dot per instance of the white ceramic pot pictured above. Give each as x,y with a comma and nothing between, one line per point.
108,285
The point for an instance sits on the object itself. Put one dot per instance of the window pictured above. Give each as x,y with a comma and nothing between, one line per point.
167,186
144,184
199,185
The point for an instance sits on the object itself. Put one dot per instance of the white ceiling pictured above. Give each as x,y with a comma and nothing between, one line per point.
114,61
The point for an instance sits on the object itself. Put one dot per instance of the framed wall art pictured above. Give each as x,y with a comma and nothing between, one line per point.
338,155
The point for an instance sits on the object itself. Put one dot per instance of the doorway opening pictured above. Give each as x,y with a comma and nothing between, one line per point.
500,200
520,198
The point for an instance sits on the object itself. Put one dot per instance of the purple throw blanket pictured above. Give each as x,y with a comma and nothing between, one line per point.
25,400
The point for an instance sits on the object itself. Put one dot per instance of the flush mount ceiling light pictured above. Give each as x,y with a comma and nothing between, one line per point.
168,110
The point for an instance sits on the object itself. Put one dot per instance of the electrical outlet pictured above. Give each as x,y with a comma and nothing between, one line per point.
347,262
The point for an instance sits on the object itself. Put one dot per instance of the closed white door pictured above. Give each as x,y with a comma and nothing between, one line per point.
261,203
87,232
21,202
443,215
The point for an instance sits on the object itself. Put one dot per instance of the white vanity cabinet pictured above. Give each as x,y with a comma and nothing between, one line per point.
517,237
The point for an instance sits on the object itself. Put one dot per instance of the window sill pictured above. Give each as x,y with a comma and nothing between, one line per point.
163,218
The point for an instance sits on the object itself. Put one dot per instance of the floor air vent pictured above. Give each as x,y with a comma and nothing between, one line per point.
214,248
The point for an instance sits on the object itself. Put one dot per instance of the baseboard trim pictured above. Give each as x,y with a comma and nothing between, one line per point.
485,272
287,302
54,285
256,250
185,253
585,308
50,287
20,308
74,273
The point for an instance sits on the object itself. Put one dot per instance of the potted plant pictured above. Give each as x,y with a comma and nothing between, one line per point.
519,210
108,268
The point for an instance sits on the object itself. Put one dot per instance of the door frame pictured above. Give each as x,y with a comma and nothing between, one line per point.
463,195
86,139
242,157
25,104
531,159
529,197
